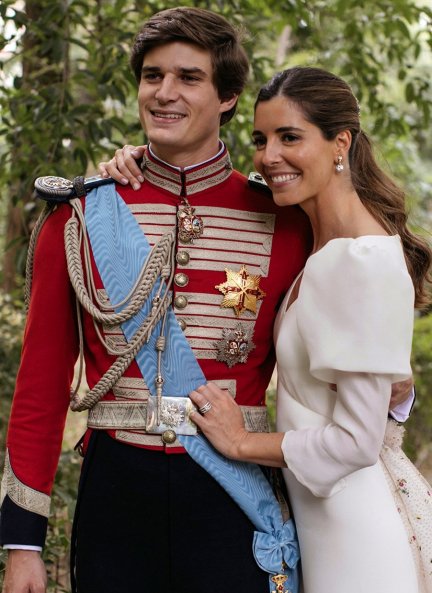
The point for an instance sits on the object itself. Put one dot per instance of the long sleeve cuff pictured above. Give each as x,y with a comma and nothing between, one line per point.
20,525
402,412
22,547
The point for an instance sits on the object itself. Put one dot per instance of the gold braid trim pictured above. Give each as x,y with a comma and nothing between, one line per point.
22,495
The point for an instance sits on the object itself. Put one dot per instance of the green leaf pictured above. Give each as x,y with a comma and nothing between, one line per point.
409,92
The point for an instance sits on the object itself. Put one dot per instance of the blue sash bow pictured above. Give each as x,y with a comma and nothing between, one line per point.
120,249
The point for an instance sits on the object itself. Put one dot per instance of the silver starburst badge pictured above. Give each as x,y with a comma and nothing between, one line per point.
235,346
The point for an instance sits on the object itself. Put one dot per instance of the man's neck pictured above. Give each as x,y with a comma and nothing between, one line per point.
184,162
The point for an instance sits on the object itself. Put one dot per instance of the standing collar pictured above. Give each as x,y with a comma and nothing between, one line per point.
185,181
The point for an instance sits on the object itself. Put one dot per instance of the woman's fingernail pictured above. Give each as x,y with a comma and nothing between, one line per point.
140,178
136,186
124,181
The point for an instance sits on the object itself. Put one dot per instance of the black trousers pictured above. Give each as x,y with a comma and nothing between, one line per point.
148,522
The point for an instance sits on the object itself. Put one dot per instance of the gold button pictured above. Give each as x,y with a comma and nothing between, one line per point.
180,301
182,323
181,279
169,436
183,258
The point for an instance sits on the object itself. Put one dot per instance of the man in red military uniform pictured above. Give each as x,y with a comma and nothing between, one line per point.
148,517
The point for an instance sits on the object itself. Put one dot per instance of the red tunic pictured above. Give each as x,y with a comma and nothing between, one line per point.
242,227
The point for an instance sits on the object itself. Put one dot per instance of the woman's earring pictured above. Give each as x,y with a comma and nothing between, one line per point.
339,167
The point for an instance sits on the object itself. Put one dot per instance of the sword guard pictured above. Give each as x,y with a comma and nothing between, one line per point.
57,190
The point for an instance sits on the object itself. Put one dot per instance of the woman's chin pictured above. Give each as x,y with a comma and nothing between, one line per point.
284,198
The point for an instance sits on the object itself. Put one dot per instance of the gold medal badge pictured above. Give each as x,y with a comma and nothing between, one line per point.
279,581
190,225
241,291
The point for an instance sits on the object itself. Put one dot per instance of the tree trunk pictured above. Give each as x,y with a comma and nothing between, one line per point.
40,68
16,231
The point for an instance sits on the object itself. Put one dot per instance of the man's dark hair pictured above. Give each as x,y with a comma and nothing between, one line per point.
207,30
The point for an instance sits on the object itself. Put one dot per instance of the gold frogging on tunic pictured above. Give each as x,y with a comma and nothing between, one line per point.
241,290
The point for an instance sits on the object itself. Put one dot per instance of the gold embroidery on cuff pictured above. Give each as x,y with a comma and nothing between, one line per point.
22,495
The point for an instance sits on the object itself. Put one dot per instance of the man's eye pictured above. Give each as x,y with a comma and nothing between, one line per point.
150,76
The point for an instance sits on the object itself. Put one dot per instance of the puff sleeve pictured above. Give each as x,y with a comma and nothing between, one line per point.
355,315
356,310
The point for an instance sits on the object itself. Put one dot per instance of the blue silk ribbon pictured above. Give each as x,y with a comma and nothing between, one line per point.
120,249
271,549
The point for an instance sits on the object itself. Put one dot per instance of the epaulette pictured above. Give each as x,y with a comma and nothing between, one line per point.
256,180
58,189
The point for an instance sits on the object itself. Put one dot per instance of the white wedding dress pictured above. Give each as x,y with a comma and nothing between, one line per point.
351,325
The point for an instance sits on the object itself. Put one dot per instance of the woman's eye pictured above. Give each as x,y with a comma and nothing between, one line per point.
258,141
289,138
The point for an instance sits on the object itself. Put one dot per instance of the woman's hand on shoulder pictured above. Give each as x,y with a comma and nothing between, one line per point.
123,166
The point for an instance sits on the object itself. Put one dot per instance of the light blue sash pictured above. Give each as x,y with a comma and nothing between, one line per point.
120,249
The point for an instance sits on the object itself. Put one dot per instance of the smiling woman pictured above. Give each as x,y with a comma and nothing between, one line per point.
346,321
312,141
292,153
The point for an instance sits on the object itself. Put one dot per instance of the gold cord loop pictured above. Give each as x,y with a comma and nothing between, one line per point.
158,266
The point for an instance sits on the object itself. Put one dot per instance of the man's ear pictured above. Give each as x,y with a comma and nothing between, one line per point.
227,104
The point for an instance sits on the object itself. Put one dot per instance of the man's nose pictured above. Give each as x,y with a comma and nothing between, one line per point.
166,90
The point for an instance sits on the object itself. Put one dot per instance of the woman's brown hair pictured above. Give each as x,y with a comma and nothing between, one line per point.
328,102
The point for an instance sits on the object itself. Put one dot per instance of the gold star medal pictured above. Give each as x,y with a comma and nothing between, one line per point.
241,291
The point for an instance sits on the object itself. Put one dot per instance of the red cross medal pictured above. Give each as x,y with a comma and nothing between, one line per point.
241,291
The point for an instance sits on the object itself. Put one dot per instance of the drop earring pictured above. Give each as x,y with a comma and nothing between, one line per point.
339,167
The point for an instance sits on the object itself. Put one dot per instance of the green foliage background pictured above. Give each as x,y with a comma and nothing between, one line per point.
68,99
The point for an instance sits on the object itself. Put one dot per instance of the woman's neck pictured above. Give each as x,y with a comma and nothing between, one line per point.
340,215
